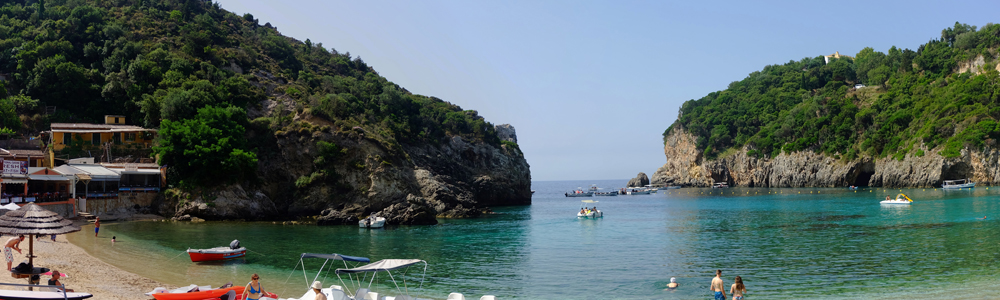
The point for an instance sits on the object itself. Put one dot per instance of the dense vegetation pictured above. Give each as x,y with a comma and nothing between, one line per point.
177,65
914,101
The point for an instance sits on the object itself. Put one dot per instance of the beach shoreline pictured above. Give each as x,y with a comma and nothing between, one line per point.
86,273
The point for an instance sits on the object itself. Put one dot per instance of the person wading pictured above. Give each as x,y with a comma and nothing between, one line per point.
718,287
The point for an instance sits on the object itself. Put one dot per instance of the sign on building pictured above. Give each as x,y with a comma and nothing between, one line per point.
15,167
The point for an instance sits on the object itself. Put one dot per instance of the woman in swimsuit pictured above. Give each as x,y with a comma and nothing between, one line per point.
253,290
738,289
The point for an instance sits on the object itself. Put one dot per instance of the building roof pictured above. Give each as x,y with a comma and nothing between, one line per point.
88,127
96,172
21,152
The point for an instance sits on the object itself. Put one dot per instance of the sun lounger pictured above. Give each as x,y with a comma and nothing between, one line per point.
456,296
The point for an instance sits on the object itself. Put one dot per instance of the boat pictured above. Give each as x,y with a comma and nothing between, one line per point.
639,191
218,253
385,265
579,193
372,221
41,295
853,188
334,291
589,213
957,184
651,188
199,295
606,194
720,185
901,199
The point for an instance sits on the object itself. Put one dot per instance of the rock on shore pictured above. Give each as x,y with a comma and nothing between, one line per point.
639,180
686,166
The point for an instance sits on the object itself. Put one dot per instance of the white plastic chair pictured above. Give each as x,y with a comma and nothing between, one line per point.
488,297
456,296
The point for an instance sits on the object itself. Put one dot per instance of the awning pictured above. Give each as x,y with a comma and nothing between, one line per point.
383,265
83,178
336,256
141,172
14,181
48,177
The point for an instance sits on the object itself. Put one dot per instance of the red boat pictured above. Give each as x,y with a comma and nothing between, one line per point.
218,253
199,295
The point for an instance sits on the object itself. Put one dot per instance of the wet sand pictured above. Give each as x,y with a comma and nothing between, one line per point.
86,273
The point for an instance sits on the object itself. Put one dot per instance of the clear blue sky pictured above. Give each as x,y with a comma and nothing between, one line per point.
590,86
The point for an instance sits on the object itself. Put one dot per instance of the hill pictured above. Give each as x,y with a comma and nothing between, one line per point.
242,109
936,103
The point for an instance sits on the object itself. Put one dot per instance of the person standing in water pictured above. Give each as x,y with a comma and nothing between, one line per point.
738,289
718,287
97,225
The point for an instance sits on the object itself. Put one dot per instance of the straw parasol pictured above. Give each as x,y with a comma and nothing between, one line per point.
32,220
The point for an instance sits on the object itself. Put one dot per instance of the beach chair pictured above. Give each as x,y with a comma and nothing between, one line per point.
488,297
456,296
361,294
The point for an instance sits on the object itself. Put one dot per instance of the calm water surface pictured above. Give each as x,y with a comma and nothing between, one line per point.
785,243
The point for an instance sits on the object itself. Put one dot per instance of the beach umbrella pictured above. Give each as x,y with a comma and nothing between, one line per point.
32,220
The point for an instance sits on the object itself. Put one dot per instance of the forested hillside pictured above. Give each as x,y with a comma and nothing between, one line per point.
193,70
942,97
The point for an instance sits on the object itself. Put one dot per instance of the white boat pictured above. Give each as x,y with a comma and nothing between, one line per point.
372,221
579,193
334,291
640,191
652,188
40,295
901,199
720,185
958,184
589,212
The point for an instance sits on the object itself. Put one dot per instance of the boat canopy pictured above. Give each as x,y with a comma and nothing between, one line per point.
588,201
383,265
335,256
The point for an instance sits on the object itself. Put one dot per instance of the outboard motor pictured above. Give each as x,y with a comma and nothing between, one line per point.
235,244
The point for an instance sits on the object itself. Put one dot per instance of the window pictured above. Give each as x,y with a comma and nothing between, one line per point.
117,136
95,138
130,136
67,138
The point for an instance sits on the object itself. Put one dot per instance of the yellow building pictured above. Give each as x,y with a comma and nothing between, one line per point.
113,131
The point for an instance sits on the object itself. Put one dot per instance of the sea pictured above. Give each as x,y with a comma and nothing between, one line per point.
785,243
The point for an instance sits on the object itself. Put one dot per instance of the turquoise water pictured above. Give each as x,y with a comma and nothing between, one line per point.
784,243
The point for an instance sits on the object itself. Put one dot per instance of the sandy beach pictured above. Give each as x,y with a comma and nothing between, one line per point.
85,273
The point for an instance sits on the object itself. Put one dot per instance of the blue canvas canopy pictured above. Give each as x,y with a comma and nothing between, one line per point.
335,256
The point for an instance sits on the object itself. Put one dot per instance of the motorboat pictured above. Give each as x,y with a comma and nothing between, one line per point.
41,295
651,188
853,188
218,253
589,212
372,221
334,291
401,266
641,191
957,184
579,193
720,185
606,194
901,199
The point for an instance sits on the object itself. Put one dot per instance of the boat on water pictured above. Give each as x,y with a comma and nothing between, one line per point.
638,191
592,212
372,221
651,188
720,185
901,199
579,193
41,295
606,194
218,253
958,184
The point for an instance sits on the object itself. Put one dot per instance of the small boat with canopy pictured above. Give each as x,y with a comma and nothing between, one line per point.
387,266
958,184
334,291
901,199
589,212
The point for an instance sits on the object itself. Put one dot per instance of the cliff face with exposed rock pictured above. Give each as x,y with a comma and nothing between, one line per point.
686,166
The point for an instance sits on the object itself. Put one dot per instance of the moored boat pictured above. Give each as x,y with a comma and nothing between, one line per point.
199,295
958,184
720,185
579,193
606,194
372,221
218,253
41,295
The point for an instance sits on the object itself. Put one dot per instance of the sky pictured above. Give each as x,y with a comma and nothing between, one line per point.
590,86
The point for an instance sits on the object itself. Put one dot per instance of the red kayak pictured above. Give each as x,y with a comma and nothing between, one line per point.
199,295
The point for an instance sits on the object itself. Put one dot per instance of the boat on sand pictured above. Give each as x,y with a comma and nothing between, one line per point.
199,294
41,295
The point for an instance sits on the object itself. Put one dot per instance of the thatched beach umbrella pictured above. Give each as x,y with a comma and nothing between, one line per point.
32,220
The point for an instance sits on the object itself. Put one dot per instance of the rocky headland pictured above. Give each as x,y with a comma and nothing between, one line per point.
685,166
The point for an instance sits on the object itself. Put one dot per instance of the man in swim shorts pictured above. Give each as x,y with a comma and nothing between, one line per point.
718,287
12,243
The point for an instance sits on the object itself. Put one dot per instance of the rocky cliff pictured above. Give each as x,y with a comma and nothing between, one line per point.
640,180
406,184
686,166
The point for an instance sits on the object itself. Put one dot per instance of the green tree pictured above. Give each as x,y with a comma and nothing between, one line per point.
208,149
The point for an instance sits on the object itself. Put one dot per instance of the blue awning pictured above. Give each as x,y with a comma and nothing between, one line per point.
336,256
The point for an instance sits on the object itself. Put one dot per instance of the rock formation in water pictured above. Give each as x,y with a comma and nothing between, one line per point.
639,180
685,166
